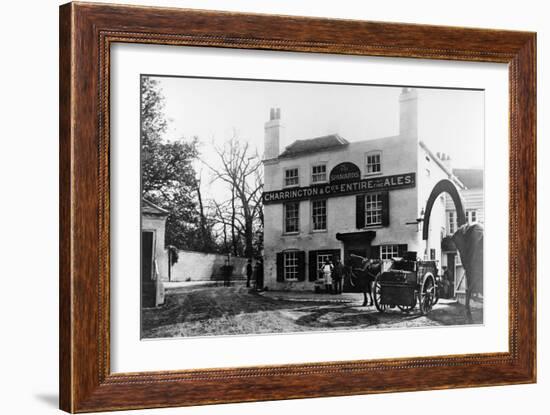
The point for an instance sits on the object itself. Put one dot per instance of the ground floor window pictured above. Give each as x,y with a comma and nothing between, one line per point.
291,266
471,216
389,251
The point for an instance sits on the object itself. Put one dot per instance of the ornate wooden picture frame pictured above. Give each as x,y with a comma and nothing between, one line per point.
87,32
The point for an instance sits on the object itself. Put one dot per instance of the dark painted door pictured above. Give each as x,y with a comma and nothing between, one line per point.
148,287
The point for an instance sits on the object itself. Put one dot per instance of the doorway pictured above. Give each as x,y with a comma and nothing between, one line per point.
351,254
356,244
148,286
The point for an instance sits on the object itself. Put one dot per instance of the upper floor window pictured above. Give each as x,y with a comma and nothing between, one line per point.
471,216
292,215
451,222
373,209
291,177
374,162
319,173
319,215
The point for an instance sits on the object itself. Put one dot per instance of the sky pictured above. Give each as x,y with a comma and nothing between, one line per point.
450,121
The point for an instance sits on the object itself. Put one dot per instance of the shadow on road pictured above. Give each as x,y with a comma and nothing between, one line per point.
334,317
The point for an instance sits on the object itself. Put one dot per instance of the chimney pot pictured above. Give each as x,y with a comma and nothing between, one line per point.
273,134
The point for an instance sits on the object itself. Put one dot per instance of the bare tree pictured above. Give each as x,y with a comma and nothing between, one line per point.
240,169
206,237
230,224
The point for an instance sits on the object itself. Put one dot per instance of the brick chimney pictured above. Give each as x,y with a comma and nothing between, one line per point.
408,113
273,134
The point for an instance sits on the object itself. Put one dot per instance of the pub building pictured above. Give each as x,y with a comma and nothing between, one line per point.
327,198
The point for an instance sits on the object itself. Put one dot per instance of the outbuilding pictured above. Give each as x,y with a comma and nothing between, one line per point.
154,256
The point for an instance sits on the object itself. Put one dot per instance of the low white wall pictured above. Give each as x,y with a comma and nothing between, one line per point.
198,266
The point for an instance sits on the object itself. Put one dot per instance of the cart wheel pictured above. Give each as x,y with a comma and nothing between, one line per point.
427,295
377,289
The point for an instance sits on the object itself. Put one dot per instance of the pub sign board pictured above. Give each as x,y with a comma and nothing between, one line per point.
341,188
344,172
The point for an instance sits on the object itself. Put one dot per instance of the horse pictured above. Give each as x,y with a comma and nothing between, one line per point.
364,276
469,242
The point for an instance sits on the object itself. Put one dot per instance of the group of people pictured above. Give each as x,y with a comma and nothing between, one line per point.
253,273
332,275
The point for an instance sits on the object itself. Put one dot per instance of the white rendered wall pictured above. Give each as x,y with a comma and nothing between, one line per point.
399,155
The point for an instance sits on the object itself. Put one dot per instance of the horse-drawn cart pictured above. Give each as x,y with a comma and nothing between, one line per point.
405,284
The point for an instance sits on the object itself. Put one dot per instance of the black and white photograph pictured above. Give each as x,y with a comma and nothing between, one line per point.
280,206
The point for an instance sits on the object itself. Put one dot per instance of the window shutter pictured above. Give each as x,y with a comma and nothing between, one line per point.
280,270
375,252
312,265
385,208
401,250
360,211
301,265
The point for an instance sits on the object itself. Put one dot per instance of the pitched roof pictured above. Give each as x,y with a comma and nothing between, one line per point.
316,144
472,178
148,207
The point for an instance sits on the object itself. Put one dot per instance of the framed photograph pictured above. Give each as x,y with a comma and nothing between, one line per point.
258,207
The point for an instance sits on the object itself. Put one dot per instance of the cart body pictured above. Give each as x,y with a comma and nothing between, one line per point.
407,282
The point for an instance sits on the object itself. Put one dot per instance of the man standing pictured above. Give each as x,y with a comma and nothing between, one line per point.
248,272
327,276
227,270
337,275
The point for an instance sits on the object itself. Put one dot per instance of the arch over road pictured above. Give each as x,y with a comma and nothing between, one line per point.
443,186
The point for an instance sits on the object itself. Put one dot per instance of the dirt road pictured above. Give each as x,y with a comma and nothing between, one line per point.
208,311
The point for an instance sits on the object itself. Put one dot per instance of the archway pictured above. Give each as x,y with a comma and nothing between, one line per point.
443,186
